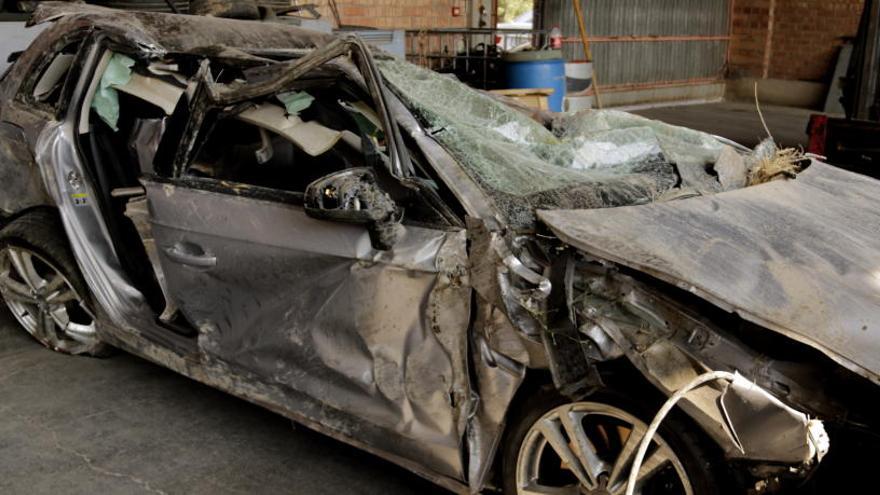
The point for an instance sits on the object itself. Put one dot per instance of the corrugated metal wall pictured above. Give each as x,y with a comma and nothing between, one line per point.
647,43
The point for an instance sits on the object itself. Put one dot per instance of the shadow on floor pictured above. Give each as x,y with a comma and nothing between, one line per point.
122,425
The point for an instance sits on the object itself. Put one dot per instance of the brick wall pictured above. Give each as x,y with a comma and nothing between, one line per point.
397,14
807,36
790,39
751,22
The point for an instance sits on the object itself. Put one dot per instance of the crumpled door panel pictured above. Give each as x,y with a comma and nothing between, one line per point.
311,305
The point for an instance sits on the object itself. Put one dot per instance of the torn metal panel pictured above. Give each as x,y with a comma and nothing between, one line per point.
768,430
796,256
672,348
502,279
284,75
499,367
502,338
667,367
574,373
484,262
516,293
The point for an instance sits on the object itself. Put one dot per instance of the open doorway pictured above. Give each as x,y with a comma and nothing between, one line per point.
515,23
516,14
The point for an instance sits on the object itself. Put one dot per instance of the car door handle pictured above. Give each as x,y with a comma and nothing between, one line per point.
187,253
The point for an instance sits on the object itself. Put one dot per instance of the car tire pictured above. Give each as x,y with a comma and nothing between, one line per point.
34,253
699,460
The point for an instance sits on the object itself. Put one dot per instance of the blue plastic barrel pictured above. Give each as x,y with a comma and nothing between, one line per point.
535,70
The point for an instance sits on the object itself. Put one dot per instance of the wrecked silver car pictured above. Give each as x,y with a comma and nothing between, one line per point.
592,303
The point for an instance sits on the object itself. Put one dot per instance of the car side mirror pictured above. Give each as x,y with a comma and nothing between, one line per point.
353,196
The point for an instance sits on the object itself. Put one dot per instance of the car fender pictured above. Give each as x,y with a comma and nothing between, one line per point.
21,184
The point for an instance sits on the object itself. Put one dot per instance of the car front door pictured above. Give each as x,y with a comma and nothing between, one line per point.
371,342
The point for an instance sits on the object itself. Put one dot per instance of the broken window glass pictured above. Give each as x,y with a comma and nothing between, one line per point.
588,160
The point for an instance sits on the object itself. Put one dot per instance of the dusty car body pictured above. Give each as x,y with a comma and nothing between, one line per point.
405,298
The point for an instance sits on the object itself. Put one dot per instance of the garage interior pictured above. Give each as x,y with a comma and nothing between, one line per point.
806,71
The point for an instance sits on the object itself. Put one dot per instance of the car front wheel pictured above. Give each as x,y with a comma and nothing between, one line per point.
42,287
587,447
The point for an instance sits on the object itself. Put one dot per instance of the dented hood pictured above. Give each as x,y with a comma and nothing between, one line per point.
801,256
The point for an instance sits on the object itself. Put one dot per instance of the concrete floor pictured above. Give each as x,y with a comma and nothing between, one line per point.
122,425
738,121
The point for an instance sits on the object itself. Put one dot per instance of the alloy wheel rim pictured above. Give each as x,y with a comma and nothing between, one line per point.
44,301
587,448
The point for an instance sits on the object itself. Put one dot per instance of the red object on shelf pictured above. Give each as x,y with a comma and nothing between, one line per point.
456,11
817,130
556,38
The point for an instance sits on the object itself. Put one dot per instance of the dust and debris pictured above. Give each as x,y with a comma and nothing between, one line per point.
768,162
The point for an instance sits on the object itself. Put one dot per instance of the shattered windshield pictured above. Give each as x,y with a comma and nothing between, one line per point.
592,159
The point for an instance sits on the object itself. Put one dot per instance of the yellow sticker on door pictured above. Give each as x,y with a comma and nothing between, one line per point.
80,199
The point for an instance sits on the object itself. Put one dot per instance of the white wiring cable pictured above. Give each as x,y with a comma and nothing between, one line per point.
761,115
661,415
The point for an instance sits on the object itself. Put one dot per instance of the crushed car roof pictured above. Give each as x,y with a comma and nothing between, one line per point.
175,33
800,256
